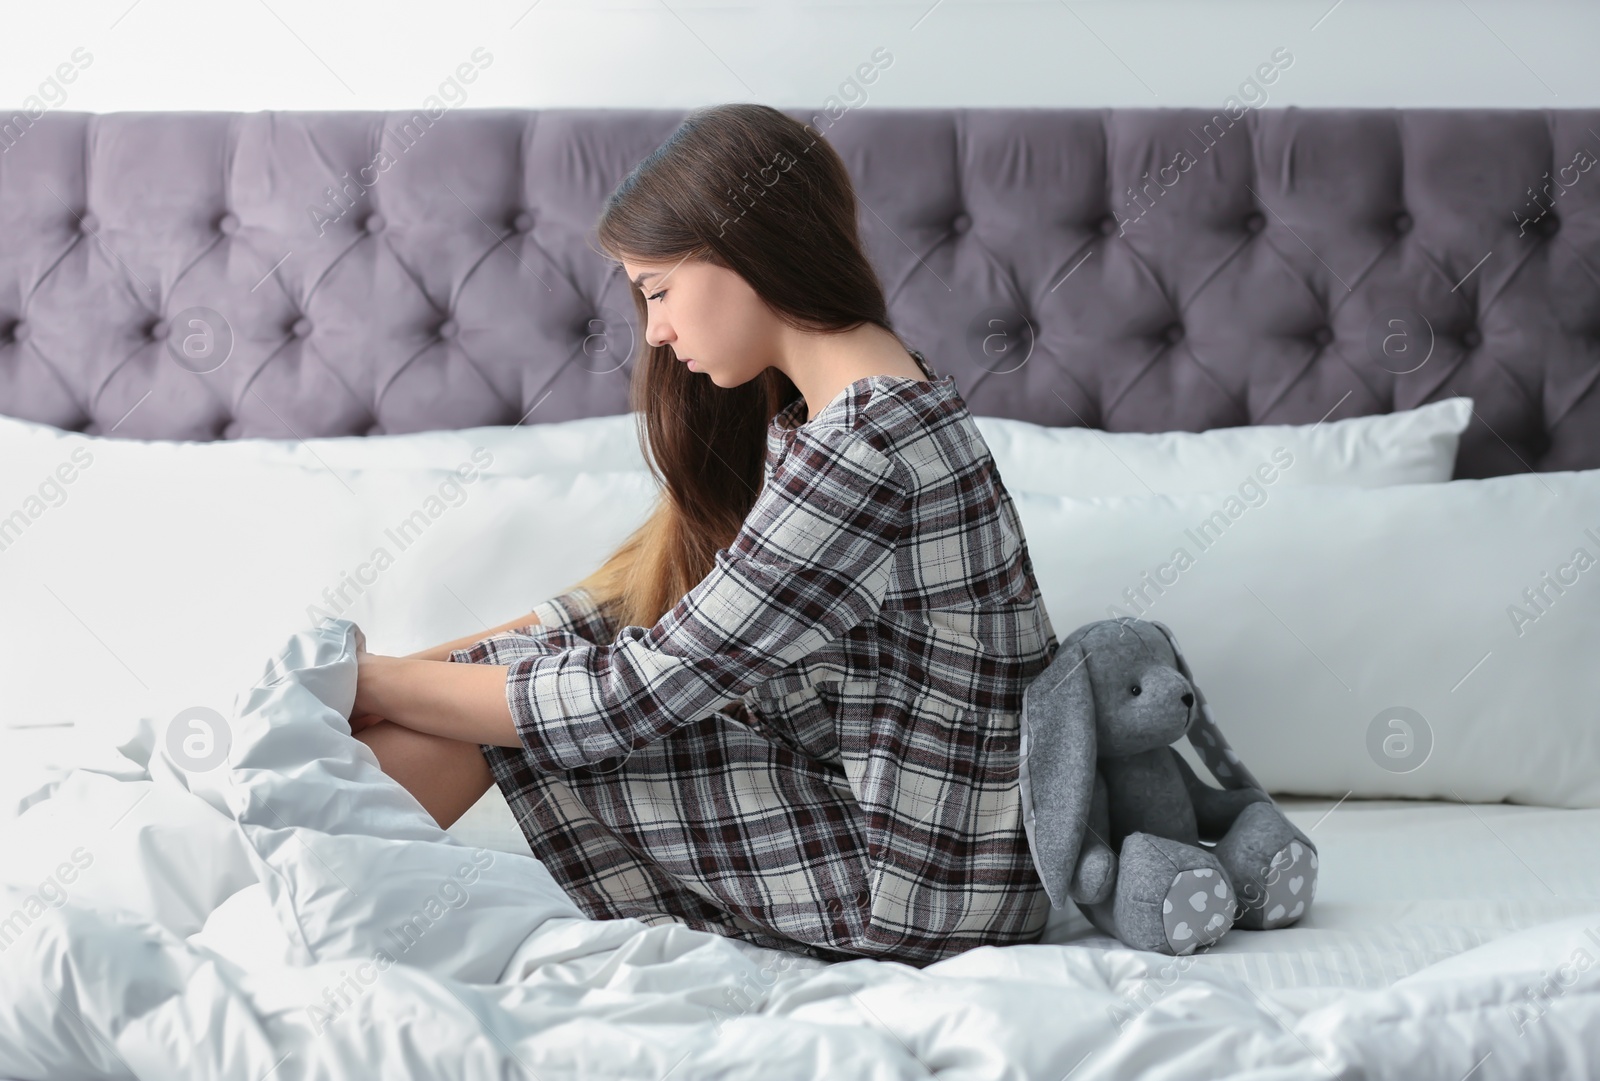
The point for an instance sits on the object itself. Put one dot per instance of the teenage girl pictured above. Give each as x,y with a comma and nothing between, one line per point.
786,708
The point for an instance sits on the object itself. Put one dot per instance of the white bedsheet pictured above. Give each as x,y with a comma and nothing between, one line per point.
208,913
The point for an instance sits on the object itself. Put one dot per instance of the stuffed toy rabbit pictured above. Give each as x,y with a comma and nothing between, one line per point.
1118,822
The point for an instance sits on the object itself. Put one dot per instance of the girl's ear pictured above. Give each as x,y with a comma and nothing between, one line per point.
1056,765
1204,735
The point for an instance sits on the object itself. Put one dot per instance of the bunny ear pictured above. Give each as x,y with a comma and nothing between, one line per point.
1056,766
1204,735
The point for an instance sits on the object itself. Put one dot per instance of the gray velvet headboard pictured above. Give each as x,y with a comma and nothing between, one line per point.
1126,269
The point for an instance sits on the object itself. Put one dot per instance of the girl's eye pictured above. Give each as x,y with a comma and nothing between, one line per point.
655,296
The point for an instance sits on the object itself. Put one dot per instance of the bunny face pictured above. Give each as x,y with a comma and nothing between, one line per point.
1141,700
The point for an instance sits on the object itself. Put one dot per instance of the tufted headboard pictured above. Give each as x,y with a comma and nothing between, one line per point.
287,274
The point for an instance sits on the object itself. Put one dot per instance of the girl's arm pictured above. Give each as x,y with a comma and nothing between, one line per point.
460,701
442,652
365,718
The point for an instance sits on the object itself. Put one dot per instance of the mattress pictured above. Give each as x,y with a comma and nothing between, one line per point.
1403,884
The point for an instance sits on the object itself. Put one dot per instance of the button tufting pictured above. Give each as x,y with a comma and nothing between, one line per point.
1255,222
21,331
374,224
301,328
88,224
158,330
522,222
1548,226
1108,225
1173,334
961,223
447,329
1402,222
1471,338
1323,336
228,224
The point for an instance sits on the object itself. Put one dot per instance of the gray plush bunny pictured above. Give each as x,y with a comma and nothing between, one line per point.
1116,818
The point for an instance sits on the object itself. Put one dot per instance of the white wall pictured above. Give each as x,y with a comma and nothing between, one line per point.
366,54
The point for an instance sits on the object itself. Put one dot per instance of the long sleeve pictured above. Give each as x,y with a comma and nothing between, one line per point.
563,622
812,560
575,612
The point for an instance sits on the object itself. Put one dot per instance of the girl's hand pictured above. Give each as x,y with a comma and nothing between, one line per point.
361,715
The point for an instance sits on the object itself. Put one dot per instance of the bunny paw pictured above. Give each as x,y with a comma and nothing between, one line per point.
1291,882
1197,911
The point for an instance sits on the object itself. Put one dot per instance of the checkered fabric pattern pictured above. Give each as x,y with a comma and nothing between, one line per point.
815,749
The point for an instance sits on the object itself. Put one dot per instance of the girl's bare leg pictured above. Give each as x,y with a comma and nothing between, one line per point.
447,776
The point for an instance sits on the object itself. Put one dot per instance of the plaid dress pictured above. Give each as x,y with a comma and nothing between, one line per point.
815,749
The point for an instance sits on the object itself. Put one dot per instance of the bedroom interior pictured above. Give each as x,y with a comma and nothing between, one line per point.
1280,322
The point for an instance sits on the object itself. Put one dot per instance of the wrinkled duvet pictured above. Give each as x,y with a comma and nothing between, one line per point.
251,897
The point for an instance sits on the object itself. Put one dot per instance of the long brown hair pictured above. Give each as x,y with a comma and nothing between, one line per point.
749,188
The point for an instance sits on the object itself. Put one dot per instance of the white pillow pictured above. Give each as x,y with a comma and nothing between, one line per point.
136,572
1413,446
1372,642
591,445
149,588
1408,447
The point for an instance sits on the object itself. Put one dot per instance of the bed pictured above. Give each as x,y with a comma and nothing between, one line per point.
387,292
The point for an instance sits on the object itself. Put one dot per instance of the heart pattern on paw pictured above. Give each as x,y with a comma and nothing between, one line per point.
1286,889
1197,910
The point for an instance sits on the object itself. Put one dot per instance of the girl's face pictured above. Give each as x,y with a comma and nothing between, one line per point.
709,316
